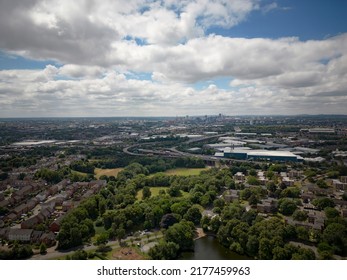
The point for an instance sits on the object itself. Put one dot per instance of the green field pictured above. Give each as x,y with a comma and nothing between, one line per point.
79,173
155,192
108,172
185,171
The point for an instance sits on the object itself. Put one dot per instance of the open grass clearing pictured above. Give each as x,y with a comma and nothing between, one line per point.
185,171
155,192
79,173
108,172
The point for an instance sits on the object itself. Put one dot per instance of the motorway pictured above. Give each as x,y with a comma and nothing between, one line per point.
172,152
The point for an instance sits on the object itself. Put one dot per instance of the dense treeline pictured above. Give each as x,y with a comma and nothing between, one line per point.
14,162
179,207
153,164
17,252
247,233
83,166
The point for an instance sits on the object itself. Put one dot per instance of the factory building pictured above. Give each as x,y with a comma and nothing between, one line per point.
244,154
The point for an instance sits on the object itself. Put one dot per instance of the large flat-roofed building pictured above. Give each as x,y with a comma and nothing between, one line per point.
322,130
244,154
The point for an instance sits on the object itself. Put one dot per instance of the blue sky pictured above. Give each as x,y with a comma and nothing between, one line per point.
151,58
306,19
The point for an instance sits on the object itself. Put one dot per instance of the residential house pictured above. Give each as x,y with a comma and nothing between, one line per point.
44,214
41,197
24,191
32,203
59,199
339,185
231,195
267,205
48,238
307,197
50,204
67,205
20,234
4,232
21,209
319,191
11,217
88,194
55,225
15,199
293,174
309,206
240,177
340,202
317,218
261,178
4,203
30,223
53,190
343,179
287,181
36,236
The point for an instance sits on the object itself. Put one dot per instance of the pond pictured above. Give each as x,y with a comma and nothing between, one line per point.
208,248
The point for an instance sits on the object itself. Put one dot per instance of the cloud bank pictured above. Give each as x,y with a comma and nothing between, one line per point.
104,49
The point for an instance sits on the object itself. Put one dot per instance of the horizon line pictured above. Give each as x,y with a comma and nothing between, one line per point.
178,116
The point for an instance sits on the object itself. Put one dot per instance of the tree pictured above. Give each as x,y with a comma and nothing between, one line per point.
325,251
182,234
3,176
299,215
181,207
271,186
323,202
302,233
292,192
102,238
146,193
215,223
253,181
286,206
336,236
168,220
322,184
164,251
270,174
174,191
252,245
304,254
265,249
120,234
3,211
79,255
205,223
331,212
193,214
43,248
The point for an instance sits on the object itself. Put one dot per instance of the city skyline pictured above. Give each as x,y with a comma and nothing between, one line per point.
172,58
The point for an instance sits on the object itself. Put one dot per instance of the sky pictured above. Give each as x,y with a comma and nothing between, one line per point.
89,58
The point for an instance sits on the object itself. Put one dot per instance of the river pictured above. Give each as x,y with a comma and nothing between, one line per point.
208,248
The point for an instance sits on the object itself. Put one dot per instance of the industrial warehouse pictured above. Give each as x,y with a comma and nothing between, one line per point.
248,154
